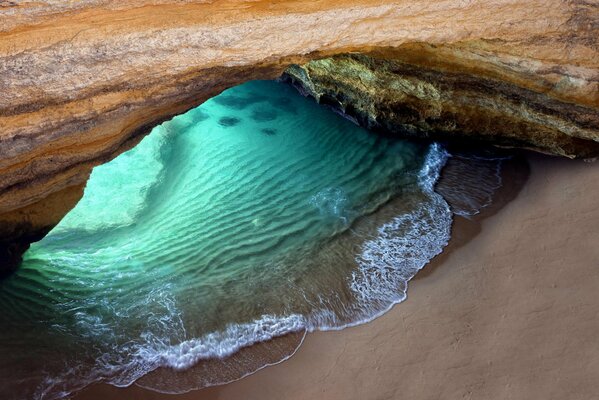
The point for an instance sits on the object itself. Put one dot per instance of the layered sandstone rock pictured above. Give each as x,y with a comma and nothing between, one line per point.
82,81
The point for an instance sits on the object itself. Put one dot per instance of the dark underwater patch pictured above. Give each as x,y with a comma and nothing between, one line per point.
198,115
264,115
235,102
228,121
269,131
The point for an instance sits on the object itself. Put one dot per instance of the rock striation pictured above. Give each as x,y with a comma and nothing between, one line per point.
81,82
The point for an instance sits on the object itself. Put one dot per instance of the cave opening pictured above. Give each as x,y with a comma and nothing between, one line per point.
257,215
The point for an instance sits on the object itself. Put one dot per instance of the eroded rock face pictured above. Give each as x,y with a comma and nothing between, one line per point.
445,92
80,82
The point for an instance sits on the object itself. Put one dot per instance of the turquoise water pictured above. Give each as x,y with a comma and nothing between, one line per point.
257,215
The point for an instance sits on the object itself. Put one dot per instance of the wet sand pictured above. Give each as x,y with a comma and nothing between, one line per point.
509,311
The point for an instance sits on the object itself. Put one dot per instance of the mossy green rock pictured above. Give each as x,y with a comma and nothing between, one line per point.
392,93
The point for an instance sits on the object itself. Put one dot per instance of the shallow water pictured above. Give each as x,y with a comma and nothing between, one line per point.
257,215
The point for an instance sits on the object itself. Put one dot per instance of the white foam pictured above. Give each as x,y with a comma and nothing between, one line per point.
403,246
223,343
122,365
431,169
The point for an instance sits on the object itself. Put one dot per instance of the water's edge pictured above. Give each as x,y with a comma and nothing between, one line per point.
209,251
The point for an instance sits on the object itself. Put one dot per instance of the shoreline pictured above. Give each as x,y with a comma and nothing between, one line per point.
491,318
464,228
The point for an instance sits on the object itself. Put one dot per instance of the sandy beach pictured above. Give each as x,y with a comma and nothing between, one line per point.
509,311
